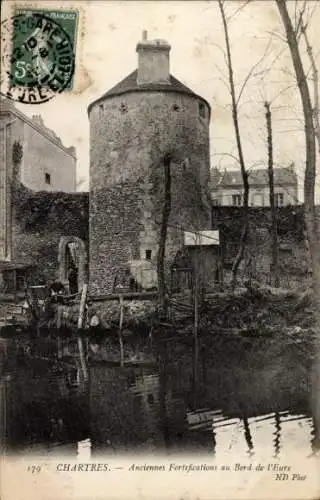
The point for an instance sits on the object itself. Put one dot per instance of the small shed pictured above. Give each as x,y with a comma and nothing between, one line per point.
205,256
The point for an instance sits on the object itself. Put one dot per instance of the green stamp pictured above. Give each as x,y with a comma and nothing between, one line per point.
42,60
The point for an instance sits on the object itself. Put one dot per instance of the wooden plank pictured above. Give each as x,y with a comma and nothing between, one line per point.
125,296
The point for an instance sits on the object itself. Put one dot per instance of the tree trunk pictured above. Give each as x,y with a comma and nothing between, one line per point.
315,78
163,235
244,173
274,268
312,224
311,220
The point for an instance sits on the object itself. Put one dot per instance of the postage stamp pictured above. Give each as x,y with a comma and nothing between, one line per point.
39,54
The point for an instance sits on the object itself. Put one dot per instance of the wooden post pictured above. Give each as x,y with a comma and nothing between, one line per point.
82,305
80,324
121,302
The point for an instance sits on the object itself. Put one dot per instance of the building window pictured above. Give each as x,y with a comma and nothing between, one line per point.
47,179
175,107
278,199
148,254
14,280
257,200
150,399
202,110
216,202
100,110
236,200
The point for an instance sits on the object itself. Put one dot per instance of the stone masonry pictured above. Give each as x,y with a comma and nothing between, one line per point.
132,128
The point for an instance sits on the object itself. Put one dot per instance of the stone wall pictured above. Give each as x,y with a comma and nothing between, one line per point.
130,135
115,215
39,222
294,259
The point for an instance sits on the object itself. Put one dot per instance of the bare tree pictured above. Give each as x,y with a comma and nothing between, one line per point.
311,220
235,118
312,224
315,78
274,230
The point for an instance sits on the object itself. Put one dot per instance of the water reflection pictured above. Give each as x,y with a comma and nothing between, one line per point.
229,407
154,420
125,409
44,404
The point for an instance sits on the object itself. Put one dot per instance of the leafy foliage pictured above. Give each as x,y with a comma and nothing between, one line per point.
17,153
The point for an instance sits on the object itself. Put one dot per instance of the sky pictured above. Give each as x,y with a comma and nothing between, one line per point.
110,30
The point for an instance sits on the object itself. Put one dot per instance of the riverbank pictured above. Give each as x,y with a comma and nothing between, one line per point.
242,319
249,312
252,312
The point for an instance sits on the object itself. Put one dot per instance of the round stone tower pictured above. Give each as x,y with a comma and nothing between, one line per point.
133,127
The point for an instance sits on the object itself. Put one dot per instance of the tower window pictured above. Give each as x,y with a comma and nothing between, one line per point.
100,110
175,107
148,254
47,178
202,110
123,108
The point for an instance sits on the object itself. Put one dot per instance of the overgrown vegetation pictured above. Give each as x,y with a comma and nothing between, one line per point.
42,209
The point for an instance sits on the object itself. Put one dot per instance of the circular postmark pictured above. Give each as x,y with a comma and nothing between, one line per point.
38,58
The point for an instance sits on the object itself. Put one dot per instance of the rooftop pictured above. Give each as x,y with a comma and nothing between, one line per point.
7,107
130,84
259,177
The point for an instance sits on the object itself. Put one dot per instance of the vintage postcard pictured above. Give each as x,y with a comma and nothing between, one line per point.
159,250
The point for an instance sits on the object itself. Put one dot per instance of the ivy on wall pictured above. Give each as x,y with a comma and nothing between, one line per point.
40,210
17,153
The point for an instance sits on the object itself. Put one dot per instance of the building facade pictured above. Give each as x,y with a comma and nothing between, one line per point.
227,187
46,164
148,115
40,212
43,163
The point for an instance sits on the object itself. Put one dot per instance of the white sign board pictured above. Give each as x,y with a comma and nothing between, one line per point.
201,238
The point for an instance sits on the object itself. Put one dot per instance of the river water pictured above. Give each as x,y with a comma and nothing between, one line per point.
251,396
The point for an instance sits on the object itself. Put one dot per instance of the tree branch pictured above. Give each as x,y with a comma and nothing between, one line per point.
244,174
252,70
315,77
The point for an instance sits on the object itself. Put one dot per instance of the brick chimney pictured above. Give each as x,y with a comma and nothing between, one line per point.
153,61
